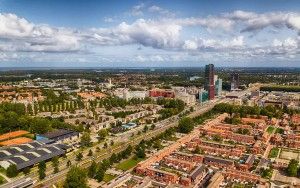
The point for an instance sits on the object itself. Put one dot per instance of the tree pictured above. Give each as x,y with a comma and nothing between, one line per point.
102,134
217,138
69,163
42,170
92,170
100,174
90,153
105,145
79,157
40,125
186,125
152,127
12,171
140,153
197,150
85,140
76,178
113,158
292,168
55,163
145,129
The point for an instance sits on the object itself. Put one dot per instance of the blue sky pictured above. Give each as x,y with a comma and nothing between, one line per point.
90,33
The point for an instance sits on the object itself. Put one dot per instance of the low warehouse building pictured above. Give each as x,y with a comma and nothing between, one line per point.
27,155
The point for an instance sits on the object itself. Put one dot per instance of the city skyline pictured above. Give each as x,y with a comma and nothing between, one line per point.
149,33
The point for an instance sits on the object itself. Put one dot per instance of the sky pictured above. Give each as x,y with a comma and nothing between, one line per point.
161,33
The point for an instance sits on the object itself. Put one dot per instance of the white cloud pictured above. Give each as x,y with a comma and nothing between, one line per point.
25,36
159,10
137,10
145,32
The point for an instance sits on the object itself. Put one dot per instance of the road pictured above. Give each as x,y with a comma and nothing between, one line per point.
160,127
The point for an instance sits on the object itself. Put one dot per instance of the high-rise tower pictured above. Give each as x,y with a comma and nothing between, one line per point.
209,80
235,81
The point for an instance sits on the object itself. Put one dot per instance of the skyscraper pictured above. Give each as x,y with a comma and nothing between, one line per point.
235,81
209,81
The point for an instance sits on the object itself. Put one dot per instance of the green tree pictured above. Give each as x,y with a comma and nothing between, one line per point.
186,125
102,134
92,170
145,129
140,153
79,157
152,127
12,171
42,170
69,163
85,140
55,163
292,168
90,153
76,178
40,125
105,145
100,174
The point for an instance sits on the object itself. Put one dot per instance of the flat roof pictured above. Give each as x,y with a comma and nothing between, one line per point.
16,141
57,133
13,134
33,156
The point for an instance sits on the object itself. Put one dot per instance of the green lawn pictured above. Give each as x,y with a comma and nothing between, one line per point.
270,129
274,152
128,164
108,177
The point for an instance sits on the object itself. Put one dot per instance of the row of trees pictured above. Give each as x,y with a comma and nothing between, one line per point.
243,111
67,105
110,102
13,117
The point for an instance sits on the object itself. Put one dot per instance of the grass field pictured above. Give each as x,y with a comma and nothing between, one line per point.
274,152
128,164
108,177
270,129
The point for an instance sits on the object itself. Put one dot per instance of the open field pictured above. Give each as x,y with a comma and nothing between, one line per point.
289,154
128,163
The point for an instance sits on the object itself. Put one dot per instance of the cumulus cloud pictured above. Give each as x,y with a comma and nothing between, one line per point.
144,32
156,9
137,10
213,44
21,35
254,21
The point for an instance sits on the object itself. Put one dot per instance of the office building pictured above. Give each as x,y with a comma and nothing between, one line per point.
218,87
209,81
235,81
